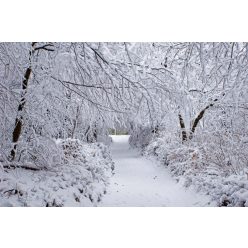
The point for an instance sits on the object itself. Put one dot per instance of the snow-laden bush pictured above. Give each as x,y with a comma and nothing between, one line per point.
231,191
43,152
211,163
179,158
105,139
141,137
226,151
79,180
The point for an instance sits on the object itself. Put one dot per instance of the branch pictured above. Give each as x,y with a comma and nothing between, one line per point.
97,54
21,166
46,47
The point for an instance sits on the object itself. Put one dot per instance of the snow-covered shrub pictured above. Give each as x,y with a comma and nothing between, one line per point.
186,160
105,139
43,152
207,163
225,191
80,179
141,136
214,161
226,151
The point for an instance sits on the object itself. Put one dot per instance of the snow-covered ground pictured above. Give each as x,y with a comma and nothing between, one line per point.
192,166
141,182
79,180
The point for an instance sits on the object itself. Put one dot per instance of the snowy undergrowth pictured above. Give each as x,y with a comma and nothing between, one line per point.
80,179
191,165
188,165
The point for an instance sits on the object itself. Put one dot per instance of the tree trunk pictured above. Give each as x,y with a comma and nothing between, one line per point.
19,119
200,116
75,123
182,125
197,120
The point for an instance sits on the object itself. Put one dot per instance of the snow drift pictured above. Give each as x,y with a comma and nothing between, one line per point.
79,180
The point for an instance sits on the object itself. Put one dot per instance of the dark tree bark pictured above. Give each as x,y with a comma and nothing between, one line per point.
197,120
19,119
199,117
182,125
87,134
91,134
95,134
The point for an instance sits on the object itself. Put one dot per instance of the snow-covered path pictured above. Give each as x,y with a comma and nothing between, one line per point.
141,182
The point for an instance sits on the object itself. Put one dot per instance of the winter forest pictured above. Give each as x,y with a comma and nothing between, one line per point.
123,124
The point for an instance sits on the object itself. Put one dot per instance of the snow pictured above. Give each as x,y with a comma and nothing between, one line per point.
141,182
84,178
189,165
80,180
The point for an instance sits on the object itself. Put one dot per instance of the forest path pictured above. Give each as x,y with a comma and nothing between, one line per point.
140,182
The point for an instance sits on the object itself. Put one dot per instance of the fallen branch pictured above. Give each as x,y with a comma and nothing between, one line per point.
11,166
